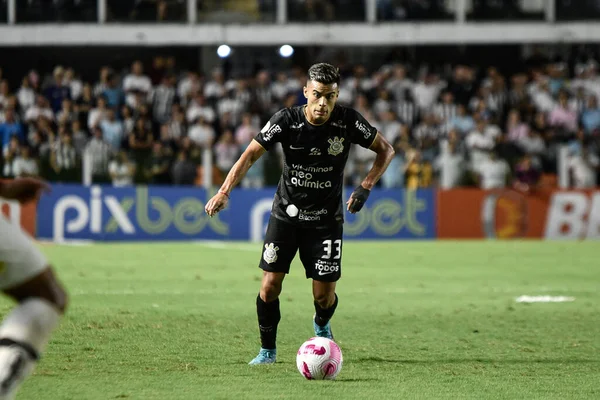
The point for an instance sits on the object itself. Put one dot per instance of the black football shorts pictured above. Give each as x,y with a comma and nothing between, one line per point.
320,249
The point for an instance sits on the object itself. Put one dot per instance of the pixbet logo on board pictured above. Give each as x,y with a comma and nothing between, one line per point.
573,215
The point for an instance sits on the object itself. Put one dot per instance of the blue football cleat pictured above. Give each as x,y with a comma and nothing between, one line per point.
323,331
265,356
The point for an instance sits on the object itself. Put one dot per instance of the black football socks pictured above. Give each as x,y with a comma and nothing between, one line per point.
268,318
324,315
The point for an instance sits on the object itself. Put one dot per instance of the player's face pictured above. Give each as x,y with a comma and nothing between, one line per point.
320,100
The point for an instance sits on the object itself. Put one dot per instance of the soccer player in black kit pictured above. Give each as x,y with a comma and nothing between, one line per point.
307,214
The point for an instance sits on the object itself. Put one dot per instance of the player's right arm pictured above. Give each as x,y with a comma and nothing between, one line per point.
269,135
252,153
241,167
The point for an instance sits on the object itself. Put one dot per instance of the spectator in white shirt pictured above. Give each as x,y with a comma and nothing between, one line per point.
121,170
480,142
188,86
26,95
41,108
493,173
426,91
74,83
24,165
542,98
215,88
202,134
534,145
232,104
199,108
583,169
135,83
450,167
98,114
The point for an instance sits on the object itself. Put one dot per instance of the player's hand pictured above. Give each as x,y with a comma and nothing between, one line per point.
358,199
216,203
24,189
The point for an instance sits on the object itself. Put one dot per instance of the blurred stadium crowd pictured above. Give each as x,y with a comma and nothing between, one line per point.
155,123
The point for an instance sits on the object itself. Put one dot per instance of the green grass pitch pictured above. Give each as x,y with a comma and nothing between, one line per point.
416,320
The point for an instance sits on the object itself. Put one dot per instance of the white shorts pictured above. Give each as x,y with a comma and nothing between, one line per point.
20,259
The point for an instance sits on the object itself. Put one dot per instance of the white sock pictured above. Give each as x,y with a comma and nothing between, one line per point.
32,323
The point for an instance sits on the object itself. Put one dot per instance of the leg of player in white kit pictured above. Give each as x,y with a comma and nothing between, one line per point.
25,276
25,332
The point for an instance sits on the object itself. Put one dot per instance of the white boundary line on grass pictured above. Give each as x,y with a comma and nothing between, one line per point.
544,299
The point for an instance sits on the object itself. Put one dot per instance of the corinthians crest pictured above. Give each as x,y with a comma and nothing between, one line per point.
336,146
270,254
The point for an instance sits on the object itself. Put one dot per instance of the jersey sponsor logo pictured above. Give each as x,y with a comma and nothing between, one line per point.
311,215
301,167
266,127
338,124
301,176
326,267
269,131
296,148
297,126
315,151
363,128
307,183
270,253
291,210
336,146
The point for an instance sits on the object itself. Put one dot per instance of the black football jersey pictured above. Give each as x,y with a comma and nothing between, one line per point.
310,189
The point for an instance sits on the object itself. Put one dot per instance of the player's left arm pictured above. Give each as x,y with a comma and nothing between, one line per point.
385,153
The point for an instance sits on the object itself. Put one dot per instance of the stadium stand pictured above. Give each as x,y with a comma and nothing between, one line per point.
157,122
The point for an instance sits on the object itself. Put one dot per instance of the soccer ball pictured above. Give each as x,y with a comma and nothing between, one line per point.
319,358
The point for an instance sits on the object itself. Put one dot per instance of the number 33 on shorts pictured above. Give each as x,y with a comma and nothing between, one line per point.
336,246
328,263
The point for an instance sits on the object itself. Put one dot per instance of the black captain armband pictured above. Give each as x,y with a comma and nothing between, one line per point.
360,196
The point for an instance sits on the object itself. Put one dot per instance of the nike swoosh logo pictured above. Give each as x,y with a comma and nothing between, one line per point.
321,273
296,148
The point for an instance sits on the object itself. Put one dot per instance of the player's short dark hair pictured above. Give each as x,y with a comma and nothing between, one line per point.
324,73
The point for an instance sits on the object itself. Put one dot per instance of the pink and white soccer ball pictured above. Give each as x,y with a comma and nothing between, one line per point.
319,358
